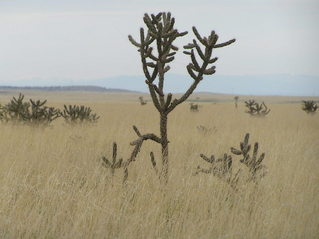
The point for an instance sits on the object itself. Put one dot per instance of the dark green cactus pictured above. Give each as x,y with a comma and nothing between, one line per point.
78,114
256,109
309,106
253,162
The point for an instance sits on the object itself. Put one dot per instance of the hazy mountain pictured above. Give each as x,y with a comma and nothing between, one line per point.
64,88
294,85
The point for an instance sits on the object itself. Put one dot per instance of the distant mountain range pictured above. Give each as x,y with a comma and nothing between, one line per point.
64,88
279,84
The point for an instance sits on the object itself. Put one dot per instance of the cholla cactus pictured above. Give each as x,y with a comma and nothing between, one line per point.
41,114
115,163
156,49
253,162
120,164
236,98
223,167
206,130
35,112
220,168
142,101
194,107
78,114
16,110
256,109
309,106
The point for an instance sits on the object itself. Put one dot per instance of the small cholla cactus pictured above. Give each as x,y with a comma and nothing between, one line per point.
254,163
194,107
236,98
309,106
142,101
256,109
221,168
206,130
78,114
115,163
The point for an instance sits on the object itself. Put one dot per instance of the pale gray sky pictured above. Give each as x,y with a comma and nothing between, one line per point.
82,40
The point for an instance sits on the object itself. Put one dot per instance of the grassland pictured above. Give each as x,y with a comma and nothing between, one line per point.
52,184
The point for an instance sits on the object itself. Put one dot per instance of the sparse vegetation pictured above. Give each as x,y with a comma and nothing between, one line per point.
78,114
309,106
52,186
33,112
256,109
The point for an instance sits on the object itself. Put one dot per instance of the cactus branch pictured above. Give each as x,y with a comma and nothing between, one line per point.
253,162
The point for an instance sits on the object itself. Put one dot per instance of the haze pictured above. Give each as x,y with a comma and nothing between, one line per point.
49,42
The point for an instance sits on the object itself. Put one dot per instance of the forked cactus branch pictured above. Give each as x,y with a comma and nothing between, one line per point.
117,164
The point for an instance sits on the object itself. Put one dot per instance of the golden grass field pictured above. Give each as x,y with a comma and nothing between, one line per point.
52,184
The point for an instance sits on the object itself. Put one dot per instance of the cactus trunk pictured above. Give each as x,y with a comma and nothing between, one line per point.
164,144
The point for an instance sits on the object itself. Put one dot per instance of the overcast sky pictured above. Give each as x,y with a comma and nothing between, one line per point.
82,40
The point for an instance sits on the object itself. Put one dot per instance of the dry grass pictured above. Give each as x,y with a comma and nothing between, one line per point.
53,186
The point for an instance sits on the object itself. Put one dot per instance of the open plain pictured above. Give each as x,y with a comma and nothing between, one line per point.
53,184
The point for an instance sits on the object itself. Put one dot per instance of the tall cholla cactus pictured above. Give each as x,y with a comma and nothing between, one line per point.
78,114
156,48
